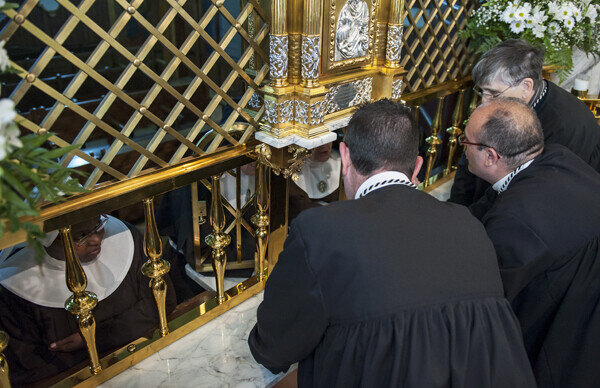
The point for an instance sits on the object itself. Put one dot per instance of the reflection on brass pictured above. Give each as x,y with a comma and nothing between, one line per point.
218,240
434,141
42,131
454,131
131,348
30,77
293,164
4,377
262,184
81,302
156,267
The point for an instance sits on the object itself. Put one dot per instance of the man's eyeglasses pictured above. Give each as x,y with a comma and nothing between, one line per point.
83,237
490,95
462,140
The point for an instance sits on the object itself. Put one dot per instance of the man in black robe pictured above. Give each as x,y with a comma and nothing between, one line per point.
514,69
545,226
393,288
44,338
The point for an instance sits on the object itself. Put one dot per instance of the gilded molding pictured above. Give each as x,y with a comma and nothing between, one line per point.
394,43
278,56
295,57
310,57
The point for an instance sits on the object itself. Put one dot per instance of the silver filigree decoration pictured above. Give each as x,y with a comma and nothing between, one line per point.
255,101
310,57
301,109
271,112
397,89
316,113
363,89
394,43
286,111
278,56
352,31
330,104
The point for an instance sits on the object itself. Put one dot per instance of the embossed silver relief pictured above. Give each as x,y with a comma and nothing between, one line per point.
330,104
397,89
286,111
278,56
301,112
363,89
316,113
352,31
394,43
310,57
255,101
271,112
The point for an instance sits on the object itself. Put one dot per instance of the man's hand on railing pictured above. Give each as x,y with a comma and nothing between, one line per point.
68,344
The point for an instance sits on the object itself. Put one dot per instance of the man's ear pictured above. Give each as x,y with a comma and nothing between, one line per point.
418,165
491,157
346,161
527,88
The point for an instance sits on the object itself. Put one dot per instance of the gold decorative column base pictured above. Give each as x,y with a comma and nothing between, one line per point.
454,132
156,267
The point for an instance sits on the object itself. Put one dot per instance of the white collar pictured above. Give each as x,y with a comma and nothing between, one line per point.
383,179
228,188
503,183
45,284
320,179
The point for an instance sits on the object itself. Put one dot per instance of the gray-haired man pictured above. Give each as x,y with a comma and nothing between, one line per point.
514,69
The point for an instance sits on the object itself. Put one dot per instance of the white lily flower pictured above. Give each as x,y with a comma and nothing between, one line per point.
538,30
11,132
7,111
592,13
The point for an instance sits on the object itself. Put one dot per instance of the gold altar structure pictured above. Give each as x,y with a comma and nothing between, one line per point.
153,91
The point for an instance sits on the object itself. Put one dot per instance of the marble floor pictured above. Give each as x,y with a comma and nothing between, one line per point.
214,355
442,192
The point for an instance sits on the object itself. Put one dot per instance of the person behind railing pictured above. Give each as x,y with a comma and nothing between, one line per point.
545,226
174,220
44,337
393,288
318,181
514,69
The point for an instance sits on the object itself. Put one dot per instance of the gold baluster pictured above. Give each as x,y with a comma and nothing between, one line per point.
156,267
82,302
238,213
4,380
434,140
473,103
218,240
454,131
261,218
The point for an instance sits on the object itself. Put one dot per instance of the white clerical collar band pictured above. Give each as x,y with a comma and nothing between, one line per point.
541,95
383,179
503,183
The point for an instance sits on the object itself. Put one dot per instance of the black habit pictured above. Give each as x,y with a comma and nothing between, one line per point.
546,231
565,120
393,289
125,315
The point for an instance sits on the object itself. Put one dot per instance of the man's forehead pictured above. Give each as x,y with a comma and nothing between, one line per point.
86,225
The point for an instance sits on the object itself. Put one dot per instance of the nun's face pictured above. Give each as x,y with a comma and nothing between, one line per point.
87,238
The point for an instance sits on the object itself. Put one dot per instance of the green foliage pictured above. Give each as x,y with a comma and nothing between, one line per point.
30,175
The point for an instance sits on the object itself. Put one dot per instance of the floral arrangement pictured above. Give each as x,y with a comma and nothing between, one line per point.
556,26
29,173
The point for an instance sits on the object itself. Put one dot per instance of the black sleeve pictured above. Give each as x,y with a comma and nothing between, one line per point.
292,317
485,203
522,254
463,189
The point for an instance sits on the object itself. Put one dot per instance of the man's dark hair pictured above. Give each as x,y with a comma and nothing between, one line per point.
513,130
510,62
382,135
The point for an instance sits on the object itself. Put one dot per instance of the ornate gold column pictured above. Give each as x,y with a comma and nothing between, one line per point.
156,267
394,35
218,240
434,140
311,43
4,378
261,218
278,54
81,302
454,131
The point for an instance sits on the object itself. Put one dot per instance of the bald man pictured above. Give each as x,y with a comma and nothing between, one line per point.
545,226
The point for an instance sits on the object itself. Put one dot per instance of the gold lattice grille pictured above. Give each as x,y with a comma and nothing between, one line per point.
135,83
432,51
